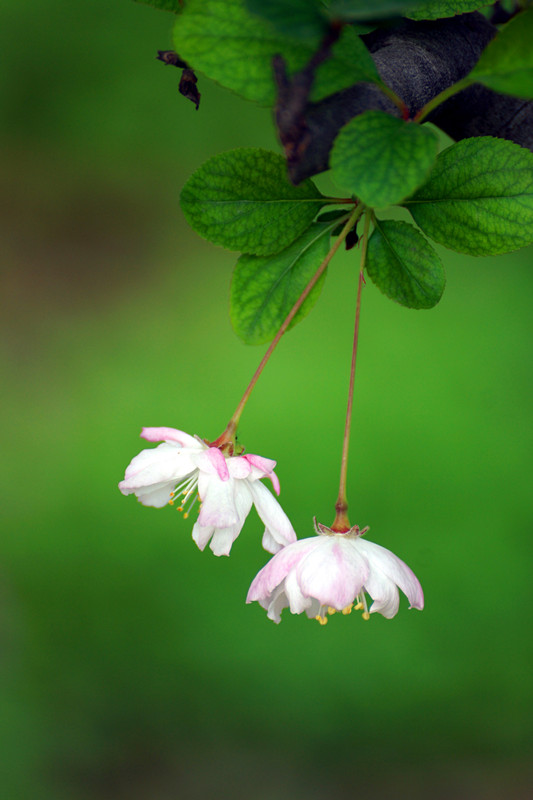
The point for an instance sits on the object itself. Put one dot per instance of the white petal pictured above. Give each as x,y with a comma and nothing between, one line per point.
218,501
334,572
277,603
383,560
297,601
384,593
155,496
201,534
223,538
161,464
276,521
238,467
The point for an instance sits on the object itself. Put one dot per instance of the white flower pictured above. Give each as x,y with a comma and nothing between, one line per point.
332,571
226,485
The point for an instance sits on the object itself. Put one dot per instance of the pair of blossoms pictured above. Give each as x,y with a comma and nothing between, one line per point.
326,573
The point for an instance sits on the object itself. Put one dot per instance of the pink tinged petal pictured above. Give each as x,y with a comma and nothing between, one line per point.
219,463
165,463
265,465
218,501
334,573
277,569
263,468
212,462
382,560
170,435
276,521
238,467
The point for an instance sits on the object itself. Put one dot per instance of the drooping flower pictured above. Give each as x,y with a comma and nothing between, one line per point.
186,468
333,572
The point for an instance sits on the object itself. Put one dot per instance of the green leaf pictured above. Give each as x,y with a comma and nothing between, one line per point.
301,19
479,197
382,159
506,64
243,200
404,266
235,48
377,9
165,5
438,9
349,63
264,289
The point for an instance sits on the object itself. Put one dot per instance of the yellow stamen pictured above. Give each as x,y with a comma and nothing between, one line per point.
347,609
180,508
321,620
358,607
366,615
186,515
331,610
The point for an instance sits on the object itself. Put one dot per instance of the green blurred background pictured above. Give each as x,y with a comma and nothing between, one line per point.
130,665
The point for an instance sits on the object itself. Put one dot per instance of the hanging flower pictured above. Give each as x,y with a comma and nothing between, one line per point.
333,572
184,469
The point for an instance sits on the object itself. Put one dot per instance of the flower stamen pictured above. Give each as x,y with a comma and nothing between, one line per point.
321,620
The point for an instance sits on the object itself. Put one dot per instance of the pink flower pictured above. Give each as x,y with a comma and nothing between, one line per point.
332,571
227,486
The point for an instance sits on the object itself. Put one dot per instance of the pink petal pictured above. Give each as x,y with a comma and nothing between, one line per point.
276,570
218,462
266,465
263,468
334,572
169,435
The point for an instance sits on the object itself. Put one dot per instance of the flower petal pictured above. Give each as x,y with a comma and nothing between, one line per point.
277,569
201,534
263,468
238,467
333,572
170,435
161,464
276,521
155,496
218,501
383,560
219,463
384,593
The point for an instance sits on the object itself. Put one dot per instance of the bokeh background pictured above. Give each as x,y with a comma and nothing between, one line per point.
130,665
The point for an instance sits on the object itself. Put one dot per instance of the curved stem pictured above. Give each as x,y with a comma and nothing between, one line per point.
229,433
440,98
342,523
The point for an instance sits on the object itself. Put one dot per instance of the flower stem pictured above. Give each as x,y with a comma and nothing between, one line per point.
229,433
342,523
